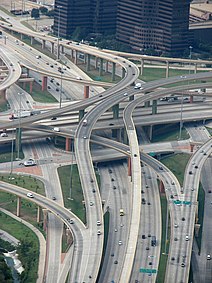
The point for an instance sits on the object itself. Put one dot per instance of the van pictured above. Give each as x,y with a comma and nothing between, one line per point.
121,212
137,86
85,122
56,129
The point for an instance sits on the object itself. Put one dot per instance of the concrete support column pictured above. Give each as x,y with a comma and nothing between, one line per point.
43,44
113,72
62,49
52,47
30,87
162,189
167,69
196,229
154,107
69,237
3,93
45,219
106,67
21,36
123,73
101,67
88,63
44,83
131,98
147,104
125,136
31,40
150,132
75,57
81,114
129,166
195,68
86,91
115,109
38,214
18,209
58,50
142,67
191,99
96,62
192,147
72,53
119,138
68,144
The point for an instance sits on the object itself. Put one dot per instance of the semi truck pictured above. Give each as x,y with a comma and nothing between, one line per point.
20,114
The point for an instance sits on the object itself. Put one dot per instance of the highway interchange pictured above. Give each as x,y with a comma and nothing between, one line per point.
87,253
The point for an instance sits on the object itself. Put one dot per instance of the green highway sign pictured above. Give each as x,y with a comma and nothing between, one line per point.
148,270
182,202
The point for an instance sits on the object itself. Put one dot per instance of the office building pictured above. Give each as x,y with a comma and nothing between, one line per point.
90,16
159,25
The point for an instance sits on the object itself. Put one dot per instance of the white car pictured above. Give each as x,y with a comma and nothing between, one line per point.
120,243
208,257
4,135
30,195
98,222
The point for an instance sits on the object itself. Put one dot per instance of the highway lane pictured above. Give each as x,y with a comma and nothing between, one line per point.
202,270
190,191
120,197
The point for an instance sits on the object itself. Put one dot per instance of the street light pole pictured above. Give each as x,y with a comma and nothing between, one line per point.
190,48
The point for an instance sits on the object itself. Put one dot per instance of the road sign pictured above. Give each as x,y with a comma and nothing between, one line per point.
182,202
148,270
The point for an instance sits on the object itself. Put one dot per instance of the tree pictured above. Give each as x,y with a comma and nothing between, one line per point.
43,10
35,13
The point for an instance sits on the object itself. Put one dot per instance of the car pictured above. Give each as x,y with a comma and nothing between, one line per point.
93,190
195,166
147,186
48,87
57,83
99,232
4,135
112,255
57,89
120,243
172,182
85,137
56,129
187,238
110,171
143,237
54,118
183,218
175,239
150,263
98,223
78,78
91,203
30,195
147,248
160,167
71,221
125,94
52,80
209,191
190,172
208,257
38,57
183,264
54,198
116,262
52,66
149,203
114,187
183,77
112,179
142,191
116,230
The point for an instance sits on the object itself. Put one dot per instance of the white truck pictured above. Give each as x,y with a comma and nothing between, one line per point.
20,114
